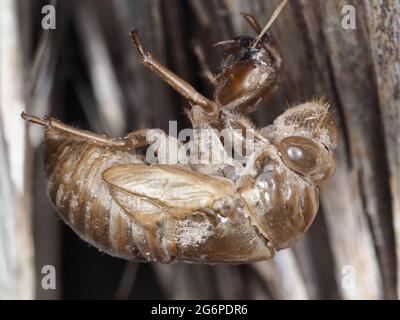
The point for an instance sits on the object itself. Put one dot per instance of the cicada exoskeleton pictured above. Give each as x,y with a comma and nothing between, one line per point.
113,198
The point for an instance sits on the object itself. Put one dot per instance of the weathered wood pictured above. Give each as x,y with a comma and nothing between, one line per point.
106,89
283,277
17,279
357,71
384,35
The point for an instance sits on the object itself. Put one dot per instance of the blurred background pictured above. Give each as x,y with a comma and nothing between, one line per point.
87,73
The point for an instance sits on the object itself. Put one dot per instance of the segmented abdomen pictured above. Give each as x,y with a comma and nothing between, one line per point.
92,207
76,188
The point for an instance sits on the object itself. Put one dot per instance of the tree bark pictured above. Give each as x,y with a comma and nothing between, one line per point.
384,28
17,279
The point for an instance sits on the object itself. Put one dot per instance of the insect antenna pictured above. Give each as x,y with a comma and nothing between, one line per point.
224,42
256,27
270,22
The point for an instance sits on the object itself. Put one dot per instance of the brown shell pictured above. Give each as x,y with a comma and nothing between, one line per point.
282,204
111,200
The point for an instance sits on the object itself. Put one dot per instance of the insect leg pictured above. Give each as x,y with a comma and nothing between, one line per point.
134,139
180,85
252,22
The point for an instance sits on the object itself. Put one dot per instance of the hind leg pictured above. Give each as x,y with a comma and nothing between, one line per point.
135,139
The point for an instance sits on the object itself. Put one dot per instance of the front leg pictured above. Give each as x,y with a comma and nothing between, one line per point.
208,108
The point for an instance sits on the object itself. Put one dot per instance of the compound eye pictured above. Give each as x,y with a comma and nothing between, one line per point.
299,154
295,153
